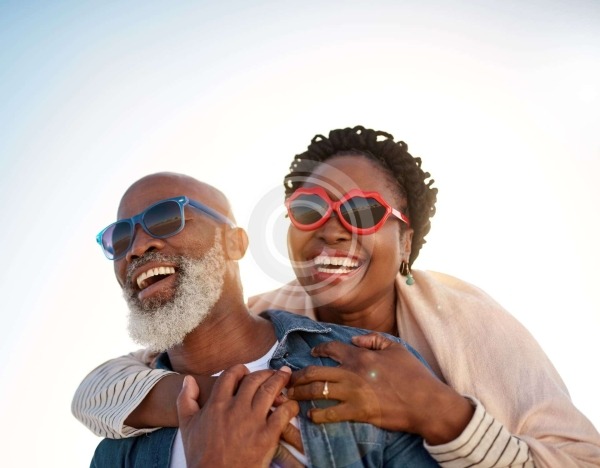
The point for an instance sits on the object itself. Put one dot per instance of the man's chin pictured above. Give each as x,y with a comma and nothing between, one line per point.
163,323
151,329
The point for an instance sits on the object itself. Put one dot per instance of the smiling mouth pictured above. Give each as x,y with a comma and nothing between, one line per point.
335,265
153,275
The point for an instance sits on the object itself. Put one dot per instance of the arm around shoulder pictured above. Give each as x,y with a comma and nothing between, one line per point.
109,394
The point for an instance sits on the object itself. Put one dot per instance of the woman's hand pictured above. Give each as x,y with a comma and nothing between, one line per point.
236,426
380,382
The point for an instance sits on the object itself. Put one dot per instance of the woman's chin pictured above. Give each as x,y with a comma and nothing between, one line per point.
330,294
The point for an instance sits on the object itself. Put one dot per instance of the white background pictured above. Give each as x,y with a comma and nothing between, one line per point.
500,99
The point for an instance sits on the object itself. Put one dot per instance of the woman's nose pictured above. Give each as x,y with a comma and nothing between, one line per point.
333,231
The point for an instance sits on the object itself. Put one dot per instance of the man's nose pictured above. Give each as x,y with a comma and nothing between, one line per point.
142,243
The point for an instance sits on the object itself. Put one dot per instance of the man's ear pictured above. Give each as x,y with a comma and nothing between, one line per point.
236,243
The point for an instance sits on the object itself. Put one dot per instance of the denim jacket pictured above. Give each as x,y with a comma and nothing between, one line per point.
343,444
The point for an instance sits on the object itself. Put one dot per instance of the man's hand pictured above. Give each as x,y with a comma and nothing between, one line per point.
380,382
290,437
236,426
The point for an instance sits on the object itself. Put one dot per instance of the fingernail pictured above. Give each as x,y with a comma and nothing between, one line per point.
185,381
285,369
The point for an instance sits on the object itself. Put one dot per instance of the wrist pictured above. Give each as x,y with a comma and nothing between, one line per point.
449,421
159,407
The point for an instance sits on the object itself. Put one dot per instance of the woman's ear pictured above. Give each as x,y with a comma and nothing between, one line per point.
406,242
236,243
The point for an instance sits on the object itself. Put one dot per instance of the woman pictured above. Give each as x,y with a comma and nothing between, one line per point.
360,207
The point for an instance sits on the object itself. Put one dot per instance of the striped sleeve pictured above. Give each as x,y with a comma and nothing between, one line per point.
484,443
111,392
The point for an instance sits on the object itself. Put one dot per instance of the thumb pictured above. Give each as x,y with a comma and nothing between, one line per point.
374,341
187,401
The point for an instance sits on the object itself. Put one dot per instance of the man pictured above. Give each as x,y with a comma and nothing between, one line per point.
175,250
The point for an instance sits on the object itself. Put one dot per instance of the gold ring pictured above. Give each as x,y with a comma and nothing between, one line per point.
326,391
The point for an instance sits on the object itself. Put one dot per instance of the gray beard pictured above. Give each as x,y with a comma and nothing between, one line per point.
160,324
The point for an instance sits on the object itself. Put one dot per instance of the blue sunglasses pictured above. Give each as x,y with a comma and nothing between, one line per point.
161,220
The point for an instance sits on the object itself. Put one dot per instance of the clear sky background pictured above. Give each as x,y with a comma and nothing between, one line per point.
500,99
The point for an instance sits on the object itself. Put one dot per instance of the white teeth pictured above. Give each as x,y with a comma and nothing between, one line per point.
340,270
141,280
345,263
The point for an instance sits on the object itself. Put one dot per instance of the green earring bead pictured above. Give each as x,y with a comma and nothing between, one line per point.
409,279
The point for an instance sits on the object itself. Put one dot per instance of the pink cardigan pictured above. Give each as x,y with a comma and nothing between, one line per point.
480,350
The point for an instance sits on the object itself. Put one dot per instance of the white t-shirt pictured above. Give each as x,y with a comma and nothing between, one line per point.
178,455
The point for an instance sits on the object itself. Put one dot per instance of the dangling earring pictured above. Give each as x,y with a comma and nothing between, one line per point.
405,271
409,278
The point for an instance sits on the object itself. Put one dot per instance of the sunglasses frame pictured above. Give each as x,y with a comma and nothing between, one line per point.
335,206
181,201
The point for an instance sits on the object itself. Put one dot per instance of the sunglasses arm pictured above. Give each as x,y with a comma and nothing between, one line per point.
212,213
401,216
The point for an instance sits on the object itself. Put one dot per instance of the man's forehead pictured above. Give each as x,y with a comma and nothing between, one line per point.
154,188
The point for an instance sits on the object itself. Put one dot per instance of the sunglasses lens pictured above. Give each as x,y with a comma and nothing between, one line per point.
362,213
116,239
308,209
163,219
